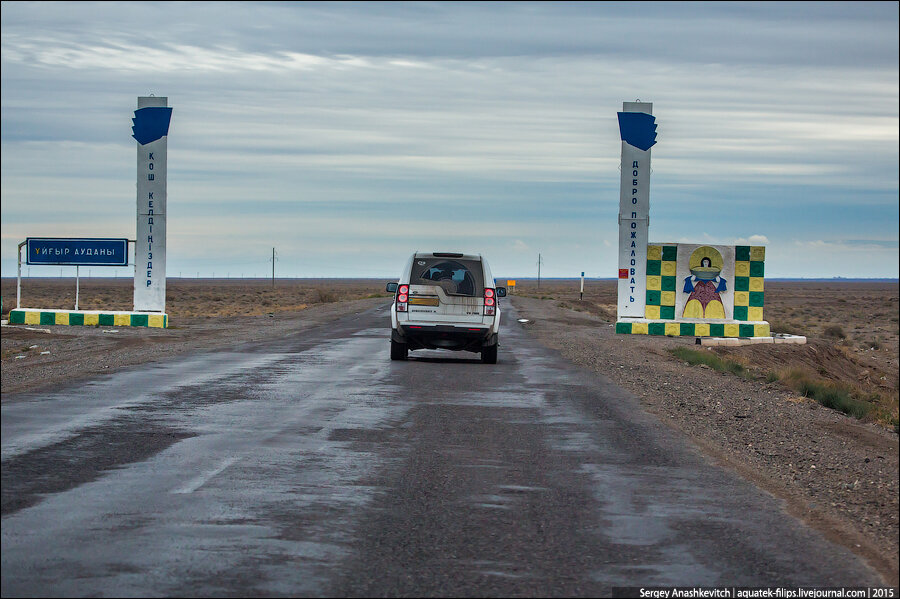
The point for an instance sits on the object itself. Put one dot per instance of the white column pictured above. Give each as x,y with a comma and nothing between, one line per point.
150,244
634,218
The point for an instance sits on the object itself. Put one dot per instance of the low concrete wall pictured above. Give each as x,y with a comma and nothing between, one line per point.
778,338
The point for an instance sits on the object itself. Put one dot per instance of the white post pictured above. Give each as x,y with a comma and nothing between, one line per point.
151,131
581,293
634,214
19,278
77,286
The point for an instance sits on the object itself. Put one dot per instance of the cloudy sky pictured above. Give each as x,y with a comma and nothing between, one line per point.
348,135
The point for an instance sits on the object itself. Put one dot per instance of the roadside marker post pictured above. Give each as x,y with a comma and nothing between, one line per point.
581,293
19,277
151,130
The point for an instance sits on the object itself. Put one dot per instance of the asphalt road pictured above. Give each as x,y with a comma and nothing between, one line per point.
313,465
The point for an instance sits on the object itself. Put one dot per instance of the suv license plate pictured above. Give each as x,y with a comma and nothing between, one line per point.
424,301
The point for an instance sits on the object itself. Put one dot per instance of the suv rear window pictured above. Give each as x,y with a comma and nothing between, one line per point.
455,277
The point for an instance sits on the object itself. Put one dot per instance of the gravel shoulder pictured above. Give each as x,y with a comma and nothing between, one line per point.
837,474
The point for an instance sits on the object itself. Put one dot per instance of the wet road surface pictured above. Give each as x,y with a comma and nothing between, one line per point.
313,465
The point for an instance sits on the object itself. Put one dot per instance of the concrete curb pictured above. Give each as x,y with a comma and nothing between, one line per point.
778,338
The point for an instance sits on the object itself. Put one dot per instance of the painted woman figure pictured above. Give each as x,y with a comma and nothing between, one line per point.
705,285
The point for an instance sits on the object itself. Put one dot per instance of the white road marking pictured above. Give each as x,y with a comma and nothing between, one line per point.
201,480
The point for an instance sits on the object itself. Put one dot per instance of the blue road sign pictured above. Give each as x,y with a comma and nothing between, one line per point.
77,252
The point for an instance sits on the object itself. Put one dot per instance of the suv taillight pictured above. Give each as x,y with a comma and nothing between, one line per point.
490,302
402,297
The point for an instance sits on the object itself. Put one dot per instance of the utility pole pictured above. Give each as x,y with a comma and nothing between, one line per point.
273,268
539,270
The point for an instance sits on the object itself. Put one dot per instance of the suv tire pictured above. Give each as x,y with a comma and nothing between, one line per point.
489,354
399,351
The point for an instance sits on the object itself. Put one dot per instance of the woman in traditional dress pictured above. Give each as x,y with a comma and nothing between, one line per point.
705,285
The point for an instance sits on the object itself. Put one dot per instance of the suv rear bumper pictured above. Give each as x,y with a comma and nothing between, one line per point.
468,338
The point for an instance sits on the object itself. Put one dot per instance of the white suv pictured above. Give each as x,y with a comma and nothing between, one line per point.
446,301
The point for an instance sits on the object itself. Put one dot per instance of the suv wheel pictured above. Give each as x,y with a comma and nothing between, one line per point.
399,351
489,354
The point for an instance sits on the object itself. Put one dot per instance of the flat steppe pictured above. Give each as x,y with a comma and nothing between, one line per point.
837,472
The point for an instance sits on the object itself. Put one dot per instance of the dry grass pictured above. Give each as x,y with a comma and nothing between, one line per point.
195,297
829,394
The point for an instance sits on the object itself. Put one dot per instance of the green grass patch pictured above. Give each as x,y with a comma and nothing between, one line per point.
695,357
829,395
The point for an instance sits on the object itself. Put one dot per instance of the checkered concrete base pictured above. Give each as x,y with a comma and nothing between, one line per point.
88,318
643,326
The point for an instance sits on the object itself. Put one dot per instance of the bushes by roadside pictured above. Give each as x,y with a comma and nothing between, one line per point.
694,357
832,395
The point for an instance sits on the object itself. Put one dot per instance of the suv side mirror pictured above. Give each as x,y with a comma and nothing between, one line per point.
501,291
391,287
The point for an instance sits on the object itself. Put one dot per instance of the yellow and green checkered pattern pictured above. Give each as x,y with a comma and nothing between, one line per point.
749,270
659,313
661,284
694,329
103,319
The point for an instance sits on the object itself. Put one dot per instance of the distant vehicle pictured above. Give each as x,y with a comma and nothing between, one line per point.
446,300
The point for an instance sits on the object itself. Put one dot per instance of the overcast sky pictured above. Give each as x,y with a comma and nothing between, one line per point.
349,135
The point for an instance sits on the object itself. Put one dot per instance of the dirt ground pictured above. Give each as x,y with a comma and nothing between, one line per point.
192,297
851,327
203,314
838,473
